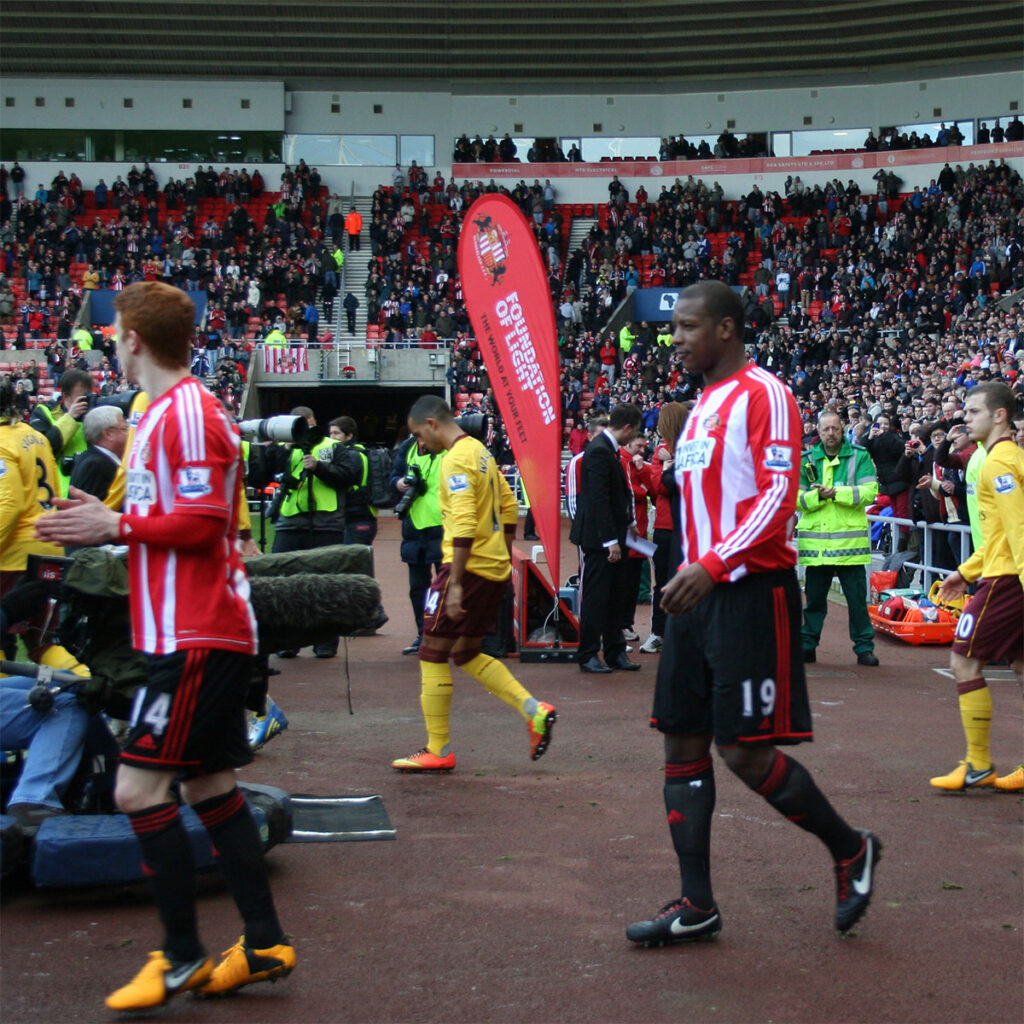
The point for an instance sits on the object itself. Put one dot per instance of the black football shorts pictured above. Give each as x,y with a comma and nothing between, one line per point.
190,717
732,667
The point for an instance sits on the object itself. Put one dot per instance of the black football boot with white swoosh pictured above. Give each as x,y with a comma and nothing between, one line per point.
855,879
679,921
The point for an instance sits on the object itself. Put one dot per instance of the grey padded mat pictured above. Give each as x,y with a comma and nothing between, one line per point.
339,819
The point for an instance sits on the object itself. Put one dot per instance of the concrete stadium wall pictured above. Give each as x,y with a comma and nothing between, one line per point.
156,105
446,113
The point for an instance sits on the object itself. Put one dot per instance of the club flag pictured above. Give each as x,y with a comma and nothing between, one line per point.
506,292
285,360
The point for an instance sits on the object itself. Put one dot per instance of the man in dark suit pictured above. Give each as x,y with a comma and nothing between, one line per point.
604,516
105,432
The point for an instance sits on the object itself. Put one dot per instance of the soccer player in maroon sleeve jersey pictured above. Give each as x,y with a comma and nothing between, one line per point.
731,670
192,618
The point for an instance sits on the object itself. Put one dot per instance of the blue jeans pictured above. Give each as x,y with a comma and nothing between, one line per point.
53,739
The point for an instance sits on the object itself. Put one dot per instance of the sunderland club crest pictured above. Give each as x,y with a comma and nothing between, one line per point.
490,243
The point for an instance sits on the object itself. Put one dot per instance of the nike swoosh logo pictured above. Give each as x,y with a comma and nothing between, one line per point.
971,778
678,928
862,885
178,976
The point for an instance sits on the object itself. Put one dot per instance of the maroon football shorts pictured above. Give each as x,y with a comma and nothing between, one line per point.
481,599
991,627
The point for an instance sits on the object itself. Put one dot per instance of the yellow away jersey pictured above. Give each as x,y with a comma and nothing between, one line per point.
28,483
476,503
1001,511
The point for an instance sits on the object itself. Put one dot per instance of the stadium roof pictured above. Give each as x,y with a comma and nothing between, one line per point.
523,45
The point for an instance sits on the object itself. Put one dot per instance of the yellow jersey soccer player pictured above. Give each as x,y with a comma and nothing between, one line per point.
479,515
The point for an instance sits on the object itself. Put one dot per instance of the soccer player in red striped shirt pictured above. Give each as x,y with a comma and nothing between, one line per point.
192,618
731,670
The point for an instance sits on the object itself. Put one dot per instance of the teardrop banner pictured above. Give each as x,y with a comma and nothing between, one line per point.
506,292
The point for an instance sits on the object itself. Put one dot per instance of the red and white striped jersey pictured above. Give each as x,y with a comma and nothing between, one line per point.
737,465
185,462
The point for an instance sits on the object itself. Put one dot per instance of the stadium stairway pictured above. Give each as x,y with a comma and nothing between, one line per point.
357,268
578,232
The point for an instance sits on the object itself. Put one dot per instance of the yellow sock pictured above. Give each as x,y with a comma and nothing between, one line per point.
498,680
436,701
976,715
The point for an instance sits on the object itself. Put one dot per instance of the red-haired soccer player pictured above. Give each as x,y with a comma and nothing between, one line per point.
192,617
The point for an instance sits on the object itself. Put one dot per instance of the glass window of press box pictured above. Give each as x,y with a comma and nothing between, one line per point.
153,146
806,143
359,150
597,148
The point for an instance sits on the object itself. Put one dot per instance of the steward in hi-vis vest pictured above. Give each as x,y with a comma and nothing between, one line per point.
838,481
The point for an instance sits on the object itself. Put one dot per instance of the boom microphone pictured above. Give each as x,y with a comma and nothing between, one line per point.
307,608
303,597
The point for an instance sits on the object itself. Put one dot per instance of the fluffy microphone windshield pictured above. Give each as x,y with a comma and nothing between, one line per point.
301,597
293,611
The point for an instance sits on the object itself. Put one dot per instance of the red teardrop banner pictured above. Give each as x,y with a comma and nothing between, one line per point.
506,291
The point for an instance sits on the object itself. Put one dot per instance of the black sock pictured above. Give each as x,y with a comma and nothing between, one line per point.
239,850
167,860
789,788
690,802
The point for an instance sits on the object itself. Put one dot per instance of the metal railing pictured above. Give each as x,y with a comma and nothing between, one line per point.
929,570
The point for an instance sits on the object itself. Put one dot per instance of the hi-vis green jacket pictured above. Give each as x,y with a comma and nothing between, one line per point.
834,531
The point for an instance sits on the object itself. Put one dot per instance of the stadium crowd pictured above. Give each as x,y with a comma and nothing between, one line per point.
868,303
864,303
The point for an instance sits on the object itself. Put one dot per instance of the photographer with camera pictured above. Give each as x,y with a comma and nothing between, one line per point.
61,422
416,476
316,471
